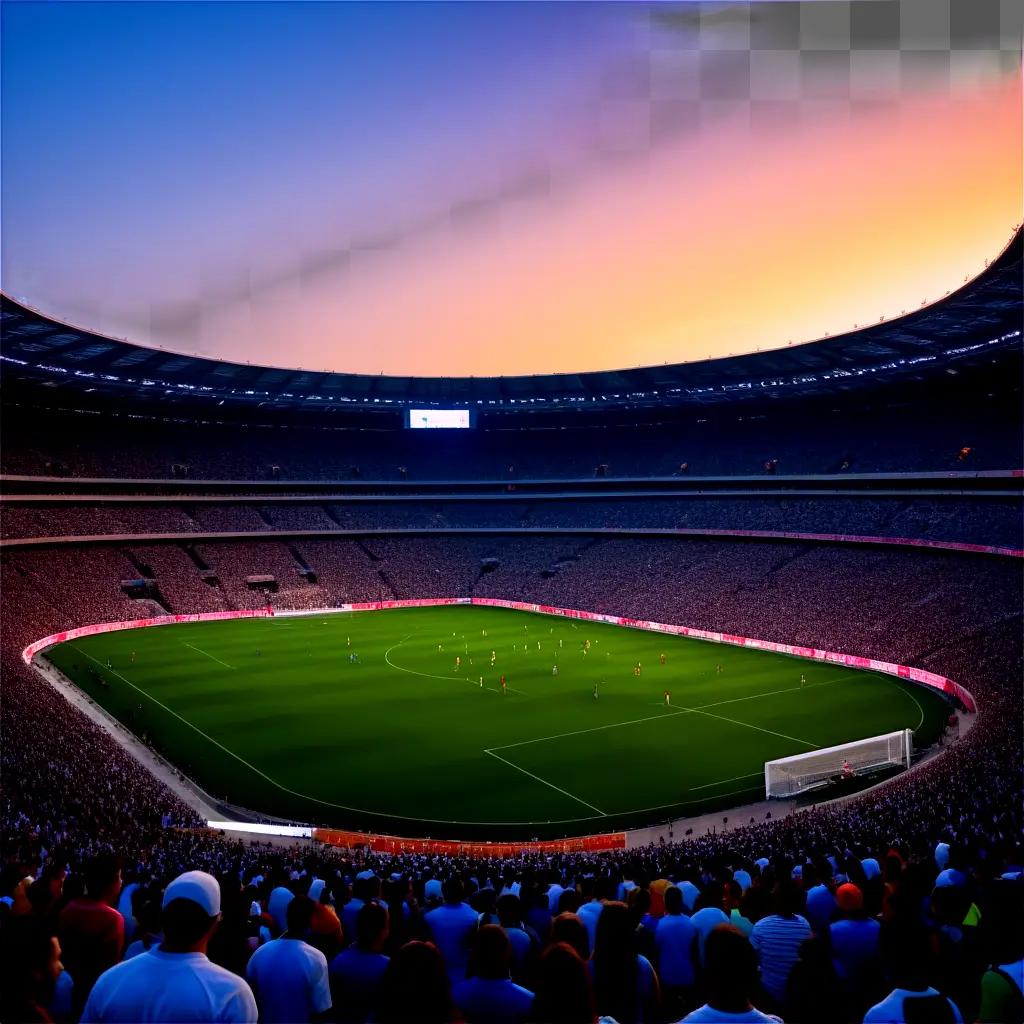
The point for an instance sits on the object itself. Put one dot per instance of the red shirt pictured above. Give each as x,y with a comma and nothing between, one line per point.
91,939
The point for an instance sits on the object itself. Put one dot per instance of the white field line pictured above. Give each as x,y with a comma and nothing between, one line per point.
679,710
722,782
559,789
185,643
747,725
305,796
917,702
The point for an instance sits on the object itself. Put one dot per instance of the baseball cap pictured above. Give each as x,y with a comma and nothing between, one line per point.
849,897
197,886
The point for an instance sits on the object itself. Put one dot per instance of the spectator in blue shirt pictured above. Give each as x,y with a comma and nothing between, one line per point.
451,926
674,940
854,940
490,996
356,973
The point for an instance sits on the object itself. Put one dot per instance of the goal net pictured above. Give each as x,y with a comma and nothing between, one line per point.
788,776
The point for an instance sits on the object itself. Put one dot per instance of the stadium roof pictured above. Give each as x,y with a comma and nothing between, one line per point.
967,327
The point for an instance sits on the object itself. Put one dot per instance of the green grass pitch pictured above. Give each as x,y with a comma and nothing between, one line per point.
271,714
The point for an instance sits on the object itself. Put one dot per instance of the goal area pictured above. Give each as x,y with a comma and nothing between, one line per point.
788,776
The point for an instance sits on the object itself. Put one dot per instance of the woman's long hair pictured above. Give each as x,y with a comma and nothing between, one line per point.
415,987
563,995
615,964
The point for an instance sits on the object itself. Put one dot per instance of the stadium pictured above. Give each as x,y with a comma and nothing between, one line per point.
592,685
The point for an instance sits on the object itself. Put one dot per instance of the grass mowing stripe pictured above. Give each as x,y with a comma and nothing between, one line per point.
208,654
546,783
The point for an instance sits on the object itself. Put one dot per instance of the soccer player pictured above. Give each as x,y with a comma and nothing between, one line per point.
438,648
661,657
111,666
348,641
595,691
718,668
639,668
668,699
504,686
481,682
458,662
133,657
538,645
554,669
803,679
494,658
559,643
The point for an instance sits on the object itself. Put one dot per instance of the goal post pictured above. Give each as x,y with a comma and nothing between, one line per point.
788,776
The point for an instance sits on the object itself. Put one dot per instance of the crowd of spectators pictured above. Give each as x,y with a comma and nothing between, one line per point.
897,438
897,905
967,519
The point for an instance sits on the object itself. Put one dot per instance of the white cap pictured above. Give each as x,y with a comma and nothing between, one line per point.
197,886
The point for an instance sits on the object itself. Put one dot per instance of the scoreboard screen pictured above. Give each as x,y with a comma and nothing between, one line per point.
438,419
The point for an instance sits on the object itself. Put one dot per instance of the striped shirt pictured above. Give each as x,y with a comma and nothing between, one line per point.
777,941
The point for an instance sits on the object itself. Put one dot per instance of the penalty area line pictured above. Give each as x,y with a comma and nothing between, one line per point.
559,789
722,782
199,650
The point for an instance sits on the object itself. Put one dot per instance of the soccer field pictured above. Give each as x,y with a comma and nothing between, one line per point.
364,719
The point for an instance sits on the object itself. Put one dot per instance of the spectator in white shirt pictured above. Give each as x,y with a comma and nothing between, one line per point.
905,949
175,982
730,976
289,976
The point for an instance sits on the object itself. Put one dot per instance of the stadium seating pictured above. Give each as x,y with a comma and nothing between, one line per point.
71,792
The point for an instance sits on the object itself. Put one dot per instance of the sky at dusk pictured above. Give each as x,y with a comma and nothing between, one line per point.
502,188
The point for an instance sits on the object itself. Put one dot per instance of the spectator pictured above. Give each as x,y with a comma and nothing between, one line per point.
147,932
625,985
854,940
777,939
707,916
813,990
730,978
510,918
568,928
289,976
175,981
415,988
905,952
1002,985
91,931
357,972
29,968
564,994
675,940
451,926
490,996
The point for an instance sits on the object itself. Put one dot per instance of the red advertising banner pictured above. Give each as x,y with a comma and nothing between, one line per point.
455,848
